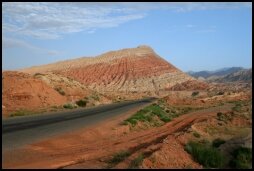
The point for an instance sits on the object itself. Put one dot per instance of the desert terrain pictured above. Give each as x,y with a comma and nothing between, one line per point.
193,123
149,140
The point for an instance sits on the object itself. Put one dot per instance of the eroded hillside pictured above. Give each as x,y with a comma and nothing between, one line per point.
128,70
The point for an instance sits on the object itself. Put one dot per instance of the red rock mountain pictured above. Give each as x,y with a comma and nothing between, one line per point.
128,70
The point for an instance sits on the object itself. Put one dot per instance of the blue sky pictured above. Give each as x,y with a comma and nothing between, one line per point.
191,36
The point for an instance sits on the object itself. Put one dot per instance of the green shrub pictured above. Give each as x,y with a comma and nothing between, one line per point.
147,115
60,91
208,156
219,114
96,97
21,112
118,157
195,93
217,142
165,118
237,107
81,103
68,106
242,158
196,134
186,110
54,107
220,93
124,123
136,162
36,74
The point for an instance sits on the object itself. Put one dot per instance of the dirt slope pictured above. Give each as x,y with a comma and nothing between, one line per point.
22,91
73,90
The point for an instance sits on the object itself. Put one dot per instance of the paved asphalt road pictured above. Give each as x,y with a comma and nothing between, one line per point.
20,131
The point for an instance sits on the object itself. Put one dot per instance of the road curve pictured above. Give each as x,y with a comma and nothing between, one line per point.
24,130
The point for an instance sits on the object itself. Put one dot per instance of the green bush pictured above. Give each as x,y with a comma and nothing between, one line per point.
217,142
60,91
118,157
136,162
220,93
68,106
242,158
165,118
36,74
164,113
195,93
95,97
208,156
21,112
220,116
236,108
196,134
81,103
186,110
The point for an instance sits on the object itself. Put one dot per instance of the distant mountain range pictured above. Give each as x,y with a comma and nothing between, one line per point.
219,72
230,74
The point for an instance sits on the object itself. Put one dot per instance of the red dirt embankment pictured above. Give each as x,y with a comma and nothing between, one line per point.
22,91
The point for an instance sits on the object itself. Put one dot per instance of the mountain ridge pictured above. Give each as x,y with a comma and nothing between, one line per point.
219,72
137,69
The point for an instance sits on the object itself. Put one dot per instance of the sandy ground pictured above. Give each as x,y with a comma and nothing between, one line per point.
91,147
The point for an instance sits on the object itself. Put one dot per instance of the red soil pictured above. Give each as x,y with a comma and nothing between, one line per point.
22,91
90,148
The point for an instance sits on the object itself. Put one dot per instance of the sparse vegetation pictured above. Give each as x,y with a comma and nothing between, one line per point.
196,134
20,112
195,93
81,103
217,142
147,114
69,106
24,112
36,74
224,117
219,115
237,107
220,93
95,97
206,155
118,157
60,91
242,158
136,162
54,107
157,114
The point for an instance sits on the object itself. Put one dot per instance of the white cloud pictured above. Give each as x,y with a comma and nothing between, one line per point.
206,30
53,52
91,31
17,43
50,20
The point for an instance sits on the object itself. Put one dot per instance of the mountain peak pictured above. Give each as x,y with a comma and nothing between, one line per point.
137,69
144,47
